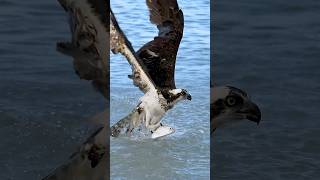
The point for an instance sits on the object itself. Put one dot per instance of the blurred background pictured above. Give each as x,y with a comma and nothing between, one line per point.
270,49
44,106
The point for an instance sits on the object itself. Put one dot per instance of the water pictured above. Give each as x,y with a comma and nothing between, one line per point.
43,104
184,154
271,49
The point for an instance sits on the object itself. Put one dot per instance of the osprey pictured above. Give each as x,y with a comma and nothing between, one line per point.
89,48
89,42
91,160
229,104
153,66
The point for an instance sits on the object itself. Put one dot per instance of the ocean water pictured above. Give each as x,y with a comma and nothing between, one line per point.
184,154
44,106
271,49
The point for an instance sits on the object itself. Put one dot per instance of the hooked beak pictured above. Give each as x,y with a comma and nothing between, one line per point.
189,97
251,112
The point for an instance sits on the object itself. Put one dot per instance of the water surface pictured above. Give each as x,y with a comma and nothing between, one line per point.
184,154
44,106
271,49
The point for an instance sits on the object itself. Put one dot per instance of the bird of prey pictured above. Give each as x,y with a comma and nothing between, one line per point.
153,66
230,104
89,48
91,161
89,42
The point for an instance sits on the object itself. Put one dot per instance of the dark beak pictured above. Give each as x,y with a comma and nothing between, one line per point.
252,112
189,97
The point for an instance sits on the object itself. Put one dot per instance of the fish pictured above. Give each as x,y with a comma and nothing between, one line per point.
162,131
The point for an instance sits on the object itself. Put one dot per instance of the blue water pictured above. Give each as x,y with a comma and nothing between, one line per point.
271,49
43,103
184,154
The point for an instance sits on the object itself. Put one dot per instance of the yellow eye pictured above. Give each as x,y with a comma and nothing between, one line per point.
231,101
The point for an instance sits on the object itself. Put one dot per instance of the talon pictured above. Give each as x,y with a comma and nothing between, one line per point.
161,124
139,109
151,132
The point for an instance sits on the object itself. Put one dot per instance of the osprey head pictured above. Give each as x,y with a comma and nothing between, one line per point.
173,96
230,104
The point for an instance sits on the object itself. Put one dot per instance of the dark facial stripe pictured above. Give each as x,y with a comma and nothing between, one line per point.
238,91
216,108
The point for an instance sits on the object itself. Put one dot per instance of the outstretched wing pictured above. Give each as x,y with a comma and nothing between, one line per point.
120,44
89,41
159,55
126,124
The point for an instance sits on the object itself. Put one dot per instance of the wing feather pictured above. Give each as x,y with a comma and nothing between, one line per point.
90,40
91,160
120,44
159,55
126,124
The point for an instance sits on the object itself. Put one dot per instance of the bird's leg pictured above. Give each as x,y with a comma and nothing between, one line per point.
147,119
154,126
151,127
141,116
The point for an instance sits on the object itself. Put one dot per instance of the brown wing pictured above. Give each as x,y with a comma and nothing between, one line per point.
90,40
159,55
